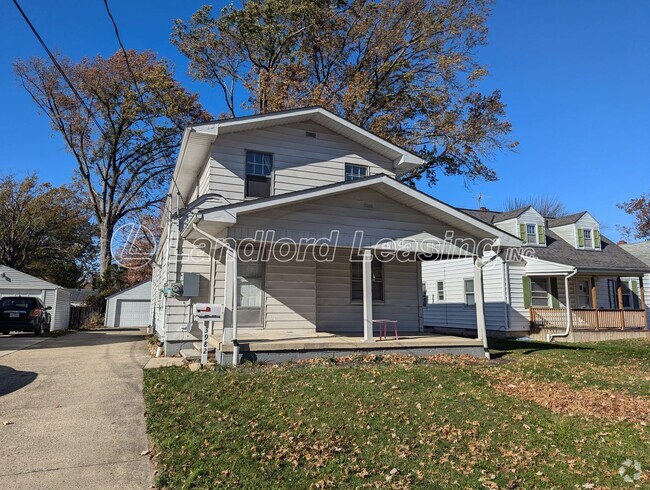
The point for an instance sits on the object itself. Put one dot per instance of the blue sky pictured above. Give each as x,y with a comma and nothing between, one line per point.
575,76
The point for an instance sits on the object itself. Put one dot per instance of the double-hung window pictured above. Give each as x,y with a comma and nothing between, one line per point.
588,238
259,167
539,291
356,286
531,234
353,172
470,299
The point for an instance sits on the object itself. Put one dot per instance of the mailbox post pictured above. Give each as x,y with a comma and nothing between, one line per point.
206,313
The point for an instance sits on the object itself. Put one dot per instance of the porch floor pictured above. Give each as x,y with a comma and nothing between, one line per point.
273,341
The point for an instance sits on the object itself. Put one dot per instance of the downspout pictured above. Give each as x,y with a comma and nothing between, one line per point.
506,294
223,243
481,264
551,336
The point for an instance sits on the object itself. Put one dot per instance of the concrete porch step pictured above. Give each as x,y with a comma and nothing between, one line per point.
197,346
191,355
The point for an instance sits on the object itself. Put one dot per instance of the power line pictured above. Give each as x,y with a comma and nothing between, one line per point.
135,81
60,69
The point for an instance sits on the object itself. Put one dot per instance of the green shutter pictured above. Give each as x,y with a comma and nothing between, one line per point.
581,238
526,284
554,293
540,233
635,296
597,238
522,232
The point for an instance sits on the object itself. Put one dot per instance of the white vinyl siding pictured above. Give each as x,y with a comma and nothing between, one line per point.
299,162
291,295
336,313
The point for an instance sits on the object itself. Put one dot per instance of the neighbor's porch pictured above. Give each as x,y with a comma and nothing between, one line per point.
596,303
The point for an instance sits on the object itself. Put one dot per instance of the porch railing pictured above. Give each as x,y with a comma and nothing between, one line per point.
588,319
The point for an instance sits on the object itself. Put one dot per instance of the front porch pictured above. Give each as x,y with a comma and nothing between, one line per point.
278,346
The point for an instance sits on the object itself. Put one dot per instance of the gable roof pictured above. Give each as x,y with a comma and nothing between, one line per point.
198,139
565,220
640,250
611,257
496,216
132,286
12,278
515,213
382,183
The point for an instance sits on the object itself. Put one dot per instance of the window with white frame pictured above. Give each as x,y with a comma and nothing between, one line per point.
441,291
587,234
531,234
353,172
258,174
539,291
470,299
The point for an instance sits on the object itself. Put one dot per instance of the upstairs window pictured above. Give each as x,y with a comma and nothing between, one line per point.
353,172
531,234
588,240
258,174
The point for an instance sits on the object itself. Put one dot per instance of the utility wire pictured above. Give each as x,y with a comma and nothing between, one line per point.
60,69
135,81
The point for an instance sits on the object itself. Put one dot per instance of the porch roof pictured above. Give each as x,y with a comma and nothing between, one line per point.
383,184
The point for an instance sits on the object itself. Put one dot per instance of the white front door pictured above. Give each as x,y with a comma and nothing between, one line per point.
583,295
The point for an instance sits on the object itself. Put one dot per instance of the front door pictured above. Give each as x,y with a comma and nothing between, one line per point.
583,295
250,294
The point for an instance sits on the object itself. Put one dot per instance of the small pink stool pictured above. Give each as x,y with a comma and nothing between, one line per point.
383,325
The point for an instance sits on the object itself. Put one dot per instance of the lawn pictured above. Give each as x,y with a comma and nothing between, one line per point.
538,416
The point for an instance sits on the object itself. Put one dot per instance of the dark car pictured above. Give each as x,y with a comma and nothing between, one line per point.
22,314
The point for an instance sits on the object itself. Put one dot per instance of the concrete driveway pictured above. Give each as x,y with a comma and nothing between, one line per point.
71,411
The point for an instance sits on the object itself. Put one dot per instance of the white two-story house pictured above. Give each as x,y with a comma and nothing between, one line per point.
295,223
565,262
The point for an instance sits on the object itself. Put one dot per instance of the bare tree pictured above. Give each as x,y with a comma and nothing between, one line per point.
125,134
548,206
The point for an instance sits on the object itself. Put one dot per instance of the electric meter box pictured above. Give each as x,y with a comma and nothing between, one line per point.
190,284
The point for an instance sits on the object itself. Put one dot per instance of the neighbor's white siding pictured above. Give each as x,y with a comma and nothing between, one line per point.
509,226
299,162
452,312
61,310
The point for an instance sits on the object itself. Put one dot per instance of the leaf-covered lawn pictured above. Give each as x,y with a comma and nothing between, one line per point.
537,417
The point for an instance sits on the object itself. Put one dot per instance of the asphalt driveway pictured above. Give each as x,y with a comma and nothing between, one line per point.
71,411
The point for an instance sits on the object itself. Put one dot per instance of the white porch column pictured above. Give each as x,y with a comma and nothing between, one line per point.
478,299
230,302
367,296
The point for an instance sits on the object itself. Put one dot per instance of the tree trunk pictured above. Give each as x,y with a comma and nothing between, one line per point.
106,235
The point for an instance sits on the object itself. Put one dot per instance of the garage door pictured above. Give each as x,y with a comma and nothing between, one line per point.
132,313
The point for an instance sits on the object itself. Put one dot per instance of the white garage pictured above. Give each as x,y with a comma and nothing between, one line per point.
16,283
130,307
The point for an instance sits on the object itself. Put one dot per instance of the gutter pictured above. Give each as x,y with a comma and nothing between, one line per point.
551,336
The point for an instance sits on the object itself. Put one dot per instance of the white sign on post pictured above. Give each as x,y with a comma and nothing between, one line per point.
207,312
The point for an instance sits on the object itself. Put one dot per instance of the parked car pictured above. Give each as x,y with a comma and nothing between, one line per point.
21,314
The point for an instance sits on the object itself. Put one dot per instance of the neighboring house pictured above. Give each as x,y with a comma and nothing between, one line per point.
565,261
641,251
130,307
16,283
282,188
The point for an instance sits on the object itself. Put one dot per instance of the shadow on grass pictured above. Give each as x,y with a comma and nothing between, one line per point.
503,348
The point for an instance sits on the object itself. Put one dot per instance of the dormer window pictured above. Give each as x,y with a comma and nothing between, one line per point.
532,234
588,238
258,174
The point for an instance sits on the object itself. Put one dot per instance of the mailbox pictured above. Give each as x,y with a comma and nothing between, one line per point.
207,311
